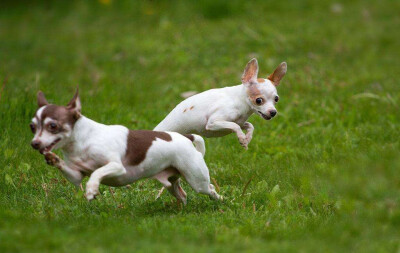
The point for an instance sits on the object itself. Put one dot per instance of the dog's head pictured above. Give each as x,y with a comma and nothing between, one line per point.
52,125
262,93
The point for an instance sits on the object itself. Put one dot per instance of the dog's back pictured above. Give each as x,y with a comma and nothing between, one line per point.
190,116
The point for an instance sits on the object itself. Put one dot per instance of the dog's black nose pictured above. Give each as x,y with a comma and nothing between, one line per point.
273,113
35,144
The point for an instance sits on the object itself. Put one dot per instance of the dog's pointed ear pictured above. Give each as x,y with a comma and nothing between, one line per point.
278,74
41,100
250,72
75,103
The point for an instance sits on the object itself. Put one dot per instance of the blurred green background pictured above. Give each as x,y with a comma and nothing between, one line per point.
322,176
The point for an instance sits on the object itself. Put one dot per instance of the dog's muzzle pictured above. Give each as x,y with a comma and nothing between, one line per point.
265,116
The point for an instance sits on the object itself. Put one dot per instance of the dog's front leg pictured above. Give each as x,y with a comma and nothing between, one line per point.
248,127
112,169
73,176
216,125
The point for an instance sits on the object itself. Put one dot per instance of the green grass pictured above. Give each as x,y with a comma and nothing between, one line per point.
322,176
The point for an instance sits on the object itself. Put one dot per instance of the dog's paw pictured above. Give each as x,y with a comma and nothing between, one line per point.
91,192
249,131
243,141
249,136
52,159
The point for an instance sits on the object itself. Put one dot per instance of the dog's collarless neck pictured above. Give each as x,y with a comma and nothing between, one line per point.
82,130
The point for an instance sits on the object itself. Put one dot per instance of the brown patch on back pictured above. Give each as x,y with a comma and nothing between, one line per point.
260,80
191,108
139,141
189,136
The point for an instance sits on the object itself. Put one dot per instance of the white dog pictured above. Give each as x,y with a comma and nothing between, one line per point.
116,156
218,112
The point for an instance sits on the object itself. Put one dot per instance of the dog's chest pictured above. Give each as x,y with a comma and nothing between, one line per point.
241,119
85,160
240,116
85,165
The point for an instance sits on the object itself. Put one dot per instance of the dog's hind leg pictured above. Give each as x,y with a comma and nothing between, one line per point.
176,189
169,178
197,175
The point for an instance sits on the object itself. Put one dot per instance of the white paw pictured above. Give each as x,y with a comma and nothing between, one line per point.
243,141
216,196
249,131
91,192
249,136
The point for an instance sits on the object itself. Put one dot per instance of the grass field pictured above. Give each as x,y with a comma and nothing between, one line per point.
323,176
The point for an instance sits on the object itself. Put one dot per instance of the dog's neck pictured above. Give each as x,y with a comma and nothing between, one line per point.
239,93
81,132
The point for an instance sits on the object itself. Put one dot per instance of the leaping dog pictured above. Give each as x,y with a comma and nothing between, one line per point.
218,112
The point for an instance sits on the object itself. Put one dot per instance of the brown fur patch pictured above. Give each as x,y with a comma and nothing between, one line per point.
41,99
278,74
189,136
185,110
260,80
73,103
253,92
59,113
191,108
139,141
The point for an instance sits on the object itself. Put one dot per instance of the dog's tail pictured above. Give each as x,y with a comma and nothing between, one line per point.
198,142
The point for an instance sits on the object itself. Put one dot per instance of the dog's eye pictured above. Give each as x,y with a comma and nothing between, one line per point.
33,127
52,127
259,101
276,99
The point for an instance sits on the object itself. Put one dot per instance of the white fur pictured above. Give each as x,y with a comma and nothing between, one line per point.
40,111
36,122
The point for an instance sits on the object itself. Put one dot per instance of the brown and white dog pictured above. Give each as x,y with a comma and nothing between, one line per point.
116,156
218,112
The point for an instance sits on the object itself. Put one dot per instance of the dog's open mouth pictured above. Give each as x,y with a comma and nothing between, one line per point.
264,116
49,147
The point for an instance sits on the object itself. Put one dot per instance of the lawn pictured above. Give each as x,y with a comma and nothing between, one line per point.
322,176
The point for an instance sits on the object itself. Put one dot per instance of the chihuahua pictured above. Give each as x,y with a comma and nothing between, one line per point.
114,155
218,112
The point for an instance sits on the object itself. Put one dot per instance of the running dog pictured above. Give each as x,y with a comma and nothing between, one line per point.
116,156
